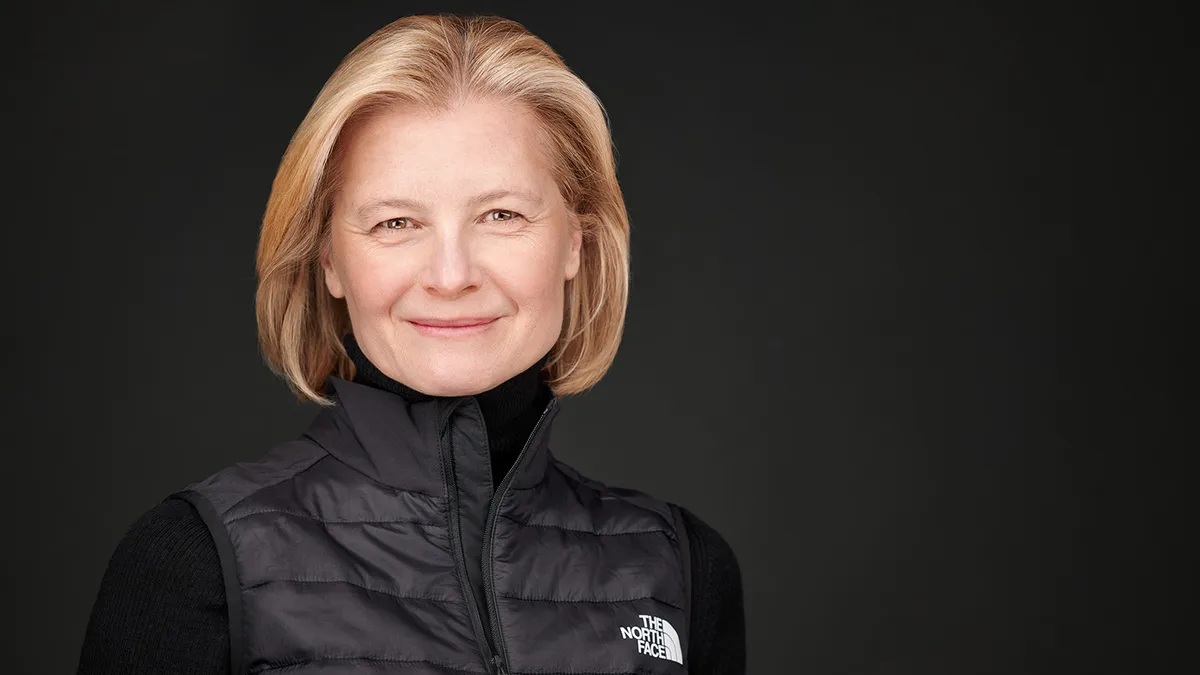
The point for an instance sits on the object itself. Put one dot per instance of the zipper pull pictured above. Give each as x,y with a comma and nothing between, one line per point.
499,662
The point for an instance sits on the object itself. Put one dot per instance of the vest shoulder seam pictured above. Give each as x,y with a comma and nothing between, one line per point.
291,476
572,474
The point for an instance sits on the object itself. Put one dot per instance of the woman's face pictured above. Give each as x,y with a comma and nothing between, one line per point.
451,244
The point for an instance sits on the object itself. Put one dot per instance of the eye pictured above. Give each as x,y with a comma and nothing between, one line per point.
503,215
396,224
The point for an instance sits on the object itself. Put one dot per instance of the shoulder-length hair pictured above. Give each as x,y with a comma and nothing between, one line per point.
436,62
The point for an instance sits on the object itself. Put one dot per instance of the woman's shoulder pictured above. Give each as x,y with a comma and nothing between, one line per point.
718,619
710,550
280,462
161,602
168,544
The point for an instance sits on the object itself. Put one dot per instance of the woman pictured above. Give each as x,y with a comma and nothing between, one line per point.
444,254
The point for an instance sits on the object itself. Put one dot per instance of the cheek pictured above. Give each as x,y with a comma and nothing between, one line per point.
535,280
374,282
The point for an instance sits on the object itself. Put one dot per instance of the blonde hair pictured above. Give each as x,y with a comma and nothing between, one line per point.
436,62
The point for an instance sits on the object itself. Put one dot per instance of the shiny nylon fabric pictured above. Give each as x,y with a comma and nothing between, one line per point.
362,547
574,563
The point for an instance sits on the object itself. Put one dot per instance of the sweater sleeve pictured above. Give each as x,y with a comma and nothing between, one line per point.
161,606
718,625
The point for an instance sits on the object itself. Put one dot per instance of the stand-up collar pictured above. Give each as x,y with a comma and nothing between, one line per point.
509,409
402,444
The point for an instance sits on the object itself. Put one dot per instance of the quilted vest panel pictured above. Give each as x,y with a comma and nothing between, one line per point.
376,543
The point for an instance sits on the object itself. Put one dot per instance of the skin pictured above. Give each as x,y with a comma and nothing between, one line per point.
415,239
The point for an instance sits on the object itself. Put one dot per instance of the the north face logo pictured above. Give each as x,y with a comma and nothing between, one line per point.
655,637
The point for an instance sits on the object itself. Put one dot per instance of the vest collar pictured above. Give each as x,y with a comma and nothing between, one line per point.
404,445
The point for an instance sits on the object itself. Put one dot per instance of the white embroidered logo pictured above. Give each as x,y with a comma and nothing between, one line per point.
655,637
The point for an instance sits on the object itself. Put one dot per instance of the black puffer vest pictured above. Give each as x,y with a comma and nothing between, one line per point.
376,543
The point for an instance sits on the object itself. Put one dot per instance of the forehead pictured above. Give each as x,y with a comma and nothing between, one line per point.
414,151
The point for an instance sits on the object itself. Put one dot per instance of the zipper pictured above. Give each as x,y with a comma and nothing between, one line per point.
481,635
500,653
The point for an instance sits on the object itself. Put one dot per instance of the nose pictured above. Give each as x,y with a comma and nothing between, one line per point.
451,270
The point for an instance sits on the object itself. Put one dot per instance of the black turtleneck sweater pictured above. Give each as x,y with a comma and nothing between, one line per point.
161,605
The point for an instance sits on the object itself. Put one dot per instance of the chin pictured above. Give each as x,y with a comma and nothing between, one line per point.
455,382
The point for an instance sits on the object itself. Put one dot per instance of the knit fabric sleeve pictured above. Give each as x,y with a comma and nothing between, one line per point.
718,624
161,606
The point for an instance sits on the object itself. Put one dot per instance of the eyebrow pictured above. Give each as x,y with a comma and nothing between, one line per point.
402,203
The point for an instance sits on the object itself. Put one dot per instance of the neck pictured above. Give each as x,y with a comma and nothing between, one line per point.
510,409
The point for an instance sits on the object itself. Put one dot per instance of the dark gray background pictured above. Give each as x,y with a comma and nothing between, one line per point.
901,323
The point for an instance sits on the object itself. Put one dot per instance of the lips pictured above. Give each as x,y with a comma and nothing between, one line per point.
464,327
453,323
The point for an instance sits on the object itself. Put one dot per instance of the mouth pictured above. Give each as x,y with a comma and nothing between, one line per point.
452,327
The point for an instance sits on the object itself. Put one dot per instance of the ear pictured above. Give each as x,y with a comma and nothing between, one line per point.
576,244
333,282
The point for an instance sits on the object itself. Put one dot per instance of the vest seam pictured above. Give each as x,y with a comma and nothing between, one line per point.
563,601
227,556
291,476
333,522
685,561
368,589
302,662
373,480
563,528
584,481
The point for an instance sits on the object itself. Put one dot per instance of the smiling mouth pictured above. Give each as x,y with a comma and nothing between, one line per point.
451,327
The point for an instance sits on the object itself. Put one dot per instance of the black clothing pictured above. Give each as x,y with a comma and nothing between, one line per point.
162,605
509,410
376,542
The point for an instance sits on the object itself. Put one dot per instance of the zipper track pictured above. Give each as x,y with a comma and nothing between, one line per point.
481,633
500,654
